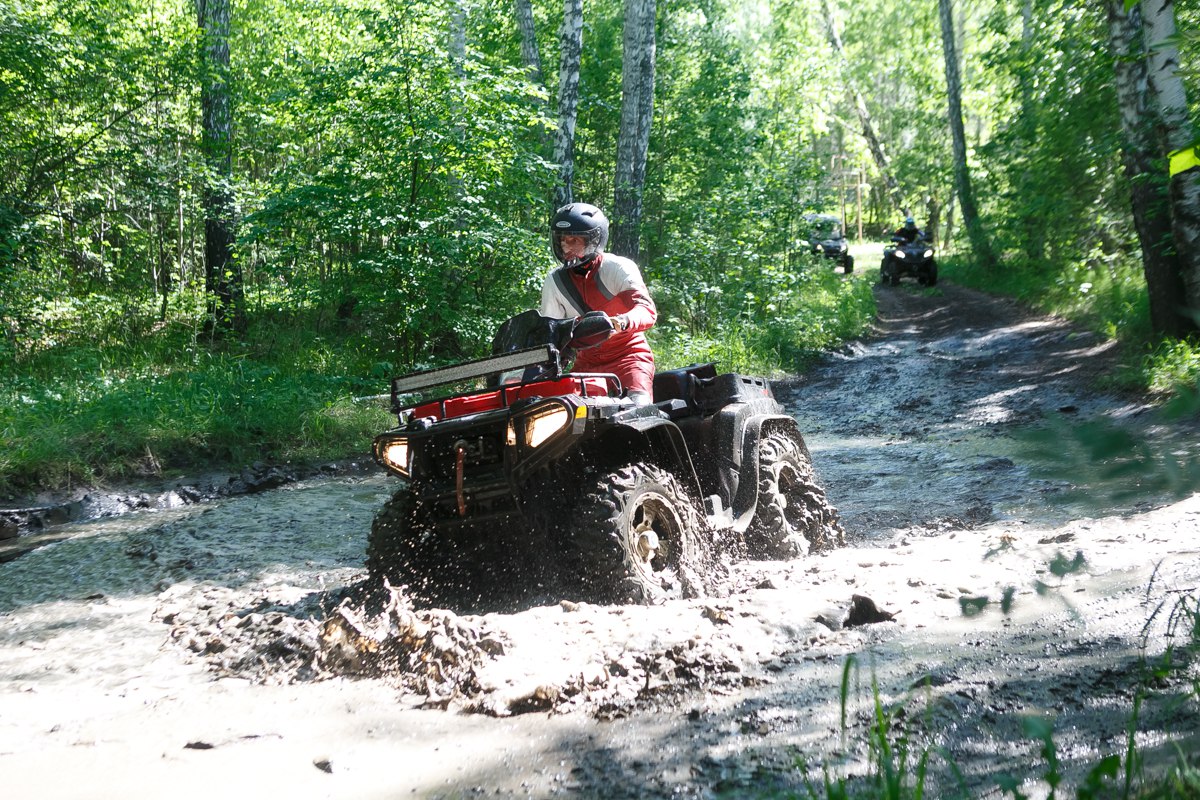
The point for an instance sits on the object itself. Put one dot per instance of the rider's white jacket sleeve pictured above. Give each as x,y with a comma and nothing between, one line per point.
614,287
619,278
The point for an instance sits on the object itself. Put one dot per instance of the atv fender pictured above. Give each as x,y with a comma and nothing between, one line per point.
745,491
665,441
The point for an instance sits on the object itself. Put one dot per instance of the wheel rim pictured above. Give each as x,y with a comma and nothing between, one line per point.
654,532
791,487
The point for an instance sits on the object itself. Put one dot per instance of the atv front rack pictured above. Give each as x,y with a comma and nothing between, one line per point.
476,402
520,359
548,383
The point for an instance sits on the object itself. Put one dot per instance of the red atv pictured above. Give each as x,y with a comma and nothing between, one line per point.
544,483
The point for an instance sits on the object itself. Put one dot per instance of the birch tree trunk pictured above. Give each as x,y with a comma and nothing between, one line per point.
882,163
637,111
570,36
458,37
530,55
1149,196
223,274
457,49
962,177
1167,88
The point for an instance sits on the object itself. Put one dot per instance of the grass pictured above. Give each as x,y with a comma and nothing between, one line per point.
107,404
897,768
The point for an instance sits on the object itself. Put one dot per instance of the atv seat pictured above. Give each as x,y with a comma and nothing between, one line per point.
680,384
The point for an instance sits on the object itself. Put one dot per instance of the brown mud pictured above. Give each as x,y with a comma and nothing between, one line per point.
1017,540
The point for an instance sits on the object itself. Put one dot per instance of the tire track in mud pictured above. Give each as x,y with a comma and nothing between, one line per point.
937,420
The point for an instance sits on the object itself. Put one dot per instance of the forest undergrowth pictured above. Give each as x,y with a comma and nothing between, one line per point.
110,392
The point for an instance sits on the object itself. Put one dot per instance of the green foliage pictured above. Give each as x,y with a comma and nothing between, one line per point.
1173,367
1051,172
125,397
896,53
393,191
897,767
1042,730
769,319
413,186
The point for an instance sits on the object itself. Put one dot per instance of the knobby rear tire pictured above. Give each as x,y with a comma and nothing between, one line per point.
793,516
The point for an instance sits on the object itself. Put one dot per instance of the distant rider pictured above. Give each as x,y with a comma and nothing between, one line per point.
909,232
592,280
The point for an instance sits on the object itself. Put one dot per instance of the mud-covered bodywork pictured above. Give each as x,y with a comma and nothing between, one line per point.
499,479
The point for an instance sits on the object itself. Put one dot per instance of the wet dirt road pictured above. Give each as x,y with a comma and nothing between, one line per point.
977,470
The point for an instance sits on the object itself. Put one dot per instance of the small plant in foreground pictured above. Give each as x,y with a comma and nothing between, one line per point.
897,767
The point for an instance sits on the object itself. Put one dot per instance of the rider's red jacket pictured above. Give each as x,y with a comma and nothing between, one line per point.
614,285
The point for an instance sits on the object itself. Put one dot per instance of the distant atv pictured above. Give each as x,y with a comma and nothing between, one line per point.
825,239
558,484
914,259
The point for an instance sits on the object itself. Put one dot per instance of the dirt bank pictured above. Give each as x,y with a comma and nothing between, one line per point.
1015,527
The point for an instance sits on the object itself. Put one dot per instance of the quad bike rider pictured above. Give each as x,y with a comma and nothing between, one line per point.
589,279
548,483
912,255
825,239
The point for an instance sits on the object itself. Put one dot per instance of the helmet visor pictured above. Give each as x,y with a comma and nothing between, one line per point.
573,248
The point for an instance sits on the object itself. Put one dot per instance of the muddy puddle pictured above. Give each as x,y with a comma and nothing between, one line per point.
1012,529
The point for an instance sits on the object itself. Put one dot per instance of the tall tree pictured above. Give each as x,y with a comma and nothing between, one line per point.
1168,89
223,275
962,176
637,112
882,164
1149,197
530,54
570,36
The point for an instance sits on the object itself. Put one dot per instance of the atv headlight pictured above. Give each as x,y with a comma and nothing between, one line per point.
820,248
393,454
928,253
899,254
544,423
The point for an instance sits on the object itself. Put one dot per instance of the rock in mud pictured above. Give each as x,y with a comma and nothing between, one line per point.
863,611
